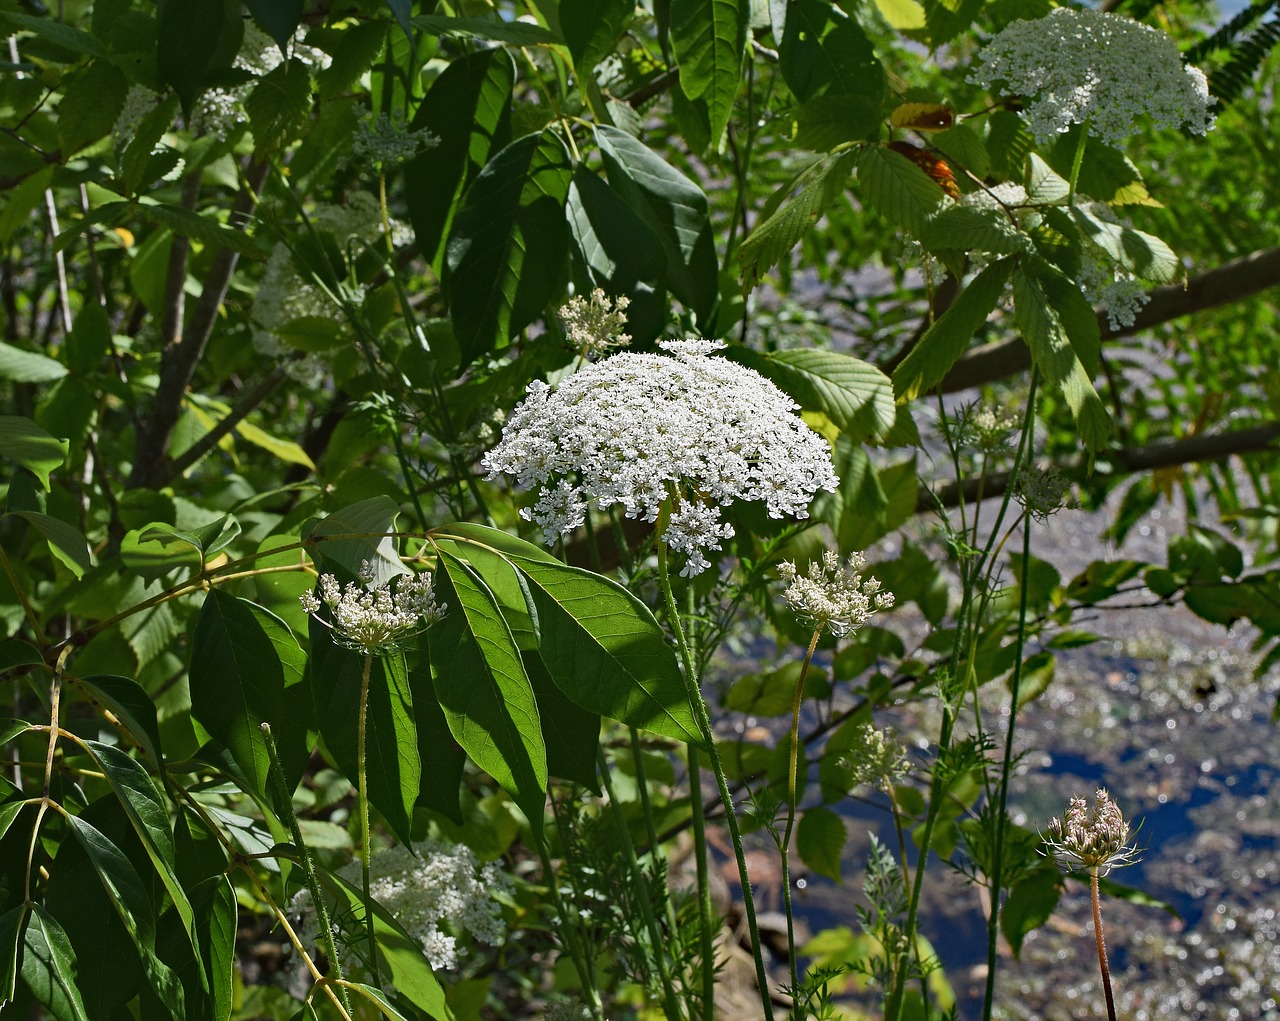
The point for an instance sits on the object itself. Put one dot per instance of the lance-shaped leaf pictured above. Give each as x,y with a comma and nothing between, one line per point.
592,28
354,534
1051,349
12,928
468,108
49,967
443,759
484,690
605,650
709,38
508,243
898,189
946,339
571,733
66,542
393,769
150,820
674,207
246,670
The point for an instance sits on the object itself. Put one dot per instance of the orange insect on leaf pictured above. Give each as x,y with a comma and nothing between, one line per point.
934,166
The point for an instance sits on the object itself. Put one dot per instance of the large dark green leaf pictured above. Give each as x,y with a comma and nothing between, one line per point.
215,905
279,17
484,690
621,253
1051,349
824,52
820,839
571,733
278,106
946,339
1030,903
443,759
150,820
25,443
12,928
605,650
674,207
393,768
49,967
468,108
709,38
194,38
508,244
66,543
591,29
246,670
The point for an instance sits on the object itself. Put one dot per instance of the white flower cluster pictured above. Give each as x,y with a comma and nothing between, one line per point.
1113,290
1041,491
875,758
445,886
387,142
375,620
987,427
636,430
832,598
594,325
1089,66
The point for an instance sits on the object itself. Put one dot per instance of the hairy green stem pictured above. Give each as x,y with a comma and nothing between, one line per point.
699,705
642,892
792,771
285,808
362,797
1102,945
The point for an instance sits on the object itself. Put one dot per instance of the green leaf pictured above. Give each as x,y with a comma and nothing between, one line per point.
49,967
622,254
443,759
189,223
89,340
364,528
592,29
970,229
508,243
899,190
65,542
379,999
129,703
60,34
834,118
517,33
1037,675
1043,329
25,443
785,222
355,51
207,540
280,18
1142,254
21,366
854,394
279,105
606,651
468,108
128,895
12,930
708,38
674,207
192,39
91,102
483,688
246,670
393,770
215,904
1044,186
286,450
965,146
825,52
571,734
150,820
944,341
820,839
400,958
23,198
1031,901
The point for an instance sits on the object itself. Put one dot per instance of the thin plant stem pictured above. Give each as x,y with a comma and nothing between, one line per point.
362,796
566,931
285,808
1102,945
706,910
1077,161
656,851
699,705
642,892
792,771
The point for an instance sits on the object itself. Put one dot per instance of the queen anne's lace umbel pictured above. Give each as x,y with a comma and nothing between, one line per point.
375,620
635,429
1091,66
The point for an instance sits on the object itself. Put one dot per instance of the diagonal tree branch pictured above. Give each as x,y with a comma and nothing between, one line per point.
182,355
1233,281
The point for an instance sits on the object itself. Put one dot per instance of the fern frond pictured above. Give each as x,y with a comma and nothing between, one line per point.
1227,34
1227,82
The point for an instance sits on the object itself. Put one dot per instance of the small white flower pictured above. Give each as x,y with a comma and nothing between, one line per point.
594,325
1113,290
1086,66
832,598
639,430
375,620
